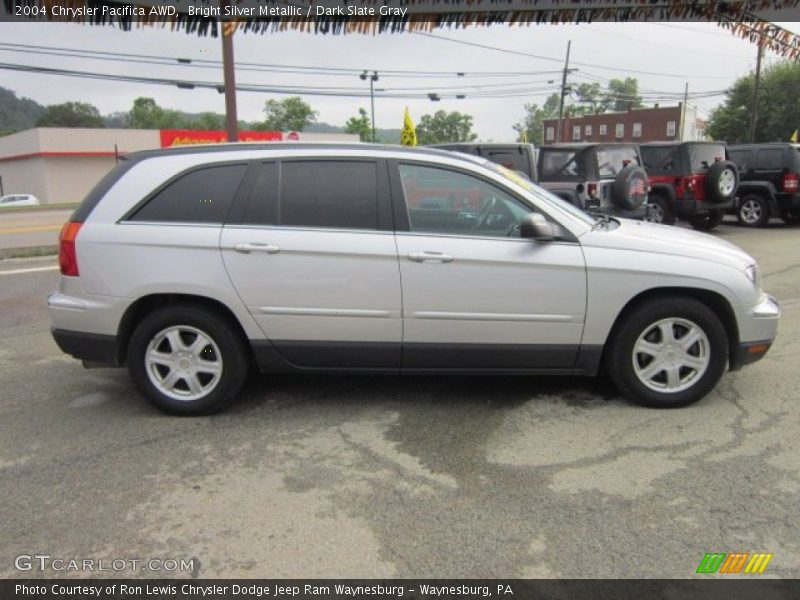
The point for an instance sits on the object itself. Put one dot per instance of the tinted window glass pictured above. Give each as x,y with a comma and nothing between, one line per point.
262,208
611,159
558,165
329,194
739,157
660,159
769,159
516,159
200,196
702,156
444,201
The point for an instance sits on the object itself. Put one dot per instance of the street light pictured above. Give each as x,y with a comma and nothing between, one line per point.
372,79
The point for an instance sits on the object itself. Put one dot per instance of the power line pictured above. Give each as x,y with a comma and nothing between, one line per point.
548,58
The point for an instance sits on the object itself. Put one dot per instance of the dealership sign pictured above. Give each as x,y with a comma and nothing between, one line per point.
184,137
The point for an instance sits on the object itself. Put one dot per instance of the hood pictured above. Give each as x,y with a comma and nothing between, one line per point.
641,236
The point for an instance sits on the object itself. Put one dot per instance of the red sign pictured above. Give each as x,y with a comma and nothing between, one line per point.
183,137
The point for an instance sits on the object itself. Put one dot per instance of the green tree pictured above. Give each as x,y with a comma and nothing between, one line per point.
145,114
209,120
443,127
531,123
591,99
71,114
289,114
778,107
622,95
360,125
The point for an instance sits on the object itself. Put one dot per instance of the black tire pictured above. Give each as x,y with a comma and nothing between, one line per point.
707,221
753,210
620,354
630,188
660,210
722,180
226,348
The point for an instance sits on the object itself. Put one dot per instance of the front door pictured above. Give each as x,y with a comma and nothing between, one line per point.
475,295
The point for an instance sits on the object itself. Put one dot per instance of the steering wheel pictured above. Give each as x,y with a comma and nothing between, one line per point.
483,216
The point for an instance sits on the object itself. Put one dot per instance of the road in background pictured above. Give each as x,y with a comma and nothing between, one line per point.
22,229
399,476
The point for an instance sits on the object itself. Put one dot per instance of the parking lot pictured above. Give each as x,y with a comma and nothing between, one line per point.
399,477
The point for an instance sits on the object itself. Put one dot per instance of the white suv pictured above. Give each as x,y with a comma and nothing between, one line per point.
193,265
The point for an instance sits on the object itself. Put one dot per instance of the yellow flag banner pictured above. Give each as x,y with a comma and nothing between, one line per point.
408,137
793,139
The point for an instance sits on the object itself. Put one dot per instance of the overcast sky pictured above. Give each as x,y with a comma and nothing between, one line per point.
704,55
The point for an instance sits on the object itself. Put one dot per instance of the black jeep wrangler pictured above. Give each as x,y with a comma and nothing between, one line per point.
770,174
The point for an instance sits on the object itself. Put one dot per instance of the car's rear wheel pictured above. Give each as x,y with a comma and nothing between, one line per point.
186,360
707,221
667,353
660,210
753,211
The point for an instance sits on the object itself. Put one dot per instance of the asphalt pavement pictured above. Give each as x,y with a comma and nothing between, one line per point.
398,477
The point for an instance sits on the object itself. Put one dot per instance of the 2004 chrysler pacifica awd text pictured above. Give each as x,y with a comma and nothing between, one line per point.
192,265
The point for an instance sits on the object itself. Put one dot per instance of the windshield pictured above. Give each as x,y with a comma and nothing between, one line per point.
702,156
540,193
612,159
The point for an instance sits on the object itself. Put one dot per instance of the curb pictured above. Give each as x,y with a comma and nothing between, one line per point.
29,251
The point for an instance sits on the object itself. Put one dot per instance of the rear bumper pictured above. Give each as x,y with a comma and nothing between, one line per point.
639,213
788,202
90,347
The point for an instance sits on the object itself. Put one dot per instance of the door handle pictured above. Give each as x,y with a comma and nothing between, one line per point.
248,247
428,256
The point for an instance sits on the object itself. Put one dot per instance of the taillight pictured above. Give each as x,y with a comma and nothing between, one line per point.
790,182
67,257
592,189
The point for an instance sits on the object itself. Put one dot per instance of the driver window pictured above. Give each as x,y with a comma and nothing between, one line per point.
443,201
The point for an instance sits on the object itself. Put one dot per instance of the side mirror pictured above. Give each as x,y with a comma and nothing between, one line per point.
536,227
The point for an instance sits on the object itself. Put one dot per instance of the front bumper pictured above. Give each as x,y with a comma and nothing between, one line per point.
757,331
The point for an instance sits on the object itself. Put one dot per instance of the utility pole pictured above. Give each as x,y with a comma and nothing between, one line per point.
563,93
755,90
683,111
372,79
231,119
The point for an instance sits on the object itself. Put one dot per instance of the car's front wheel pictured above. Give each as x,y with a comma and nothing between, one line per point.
669,352
186,360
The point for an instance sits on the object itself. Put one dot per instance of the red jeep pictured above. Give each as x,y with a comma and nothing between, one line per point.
689,180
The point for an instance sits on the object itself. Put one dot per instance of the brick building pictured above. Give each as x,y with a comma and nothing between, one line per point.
638,125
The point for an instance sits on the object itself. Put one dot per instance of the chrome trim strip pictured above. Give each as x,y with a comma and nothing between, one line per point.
459,316
324,312
57,300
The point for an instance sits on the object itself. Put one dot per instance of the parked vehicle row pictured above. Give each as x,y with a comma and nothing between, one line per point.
695,181
193,265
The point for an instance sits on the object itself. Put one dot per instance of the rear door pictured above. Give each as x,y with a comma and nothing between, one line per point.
769,165
475,295
312,255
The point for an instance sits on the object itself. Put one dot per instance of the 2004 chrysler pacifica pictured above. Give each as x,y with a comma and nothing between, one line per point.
192,265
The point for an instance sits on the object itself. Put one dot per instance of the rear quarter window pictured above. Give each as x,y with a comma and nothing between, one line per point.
740,158
202,195
660,160
769,159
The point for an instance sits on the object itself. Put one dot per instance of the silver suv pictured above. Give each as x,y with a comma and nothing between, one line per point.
193,265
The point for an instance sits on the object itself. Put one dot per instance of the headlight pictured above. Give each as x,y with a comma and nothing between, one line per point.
754,275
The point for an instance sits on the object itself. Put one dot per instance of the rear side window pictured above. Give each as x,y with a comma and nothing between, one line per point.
660,160
558,165
702,156
739,157
514,158
769,159
612,159
340,194
200,196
